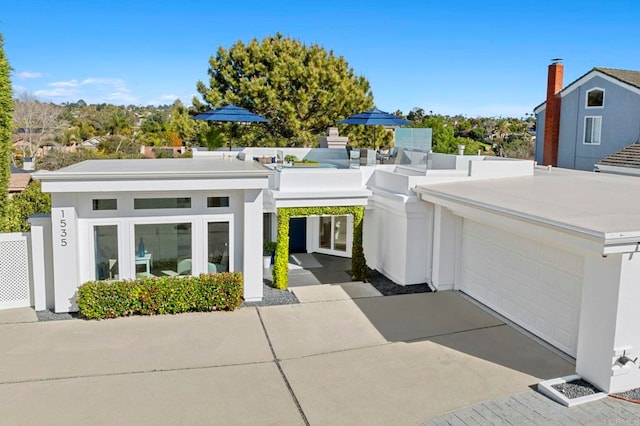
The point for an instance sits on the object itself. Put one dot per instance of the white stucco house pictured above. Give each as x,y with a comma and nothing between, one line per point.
554,251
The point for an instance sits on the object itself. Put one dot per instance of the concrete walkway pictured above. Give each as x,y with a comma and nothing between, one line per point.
333,360
532,408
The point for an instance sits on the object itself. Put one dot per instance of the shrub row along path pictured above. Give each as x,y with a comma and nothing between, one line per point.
329,360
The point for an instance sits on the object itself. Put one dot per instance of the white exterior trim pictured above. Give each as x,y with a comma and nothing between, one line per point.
595,73
95,186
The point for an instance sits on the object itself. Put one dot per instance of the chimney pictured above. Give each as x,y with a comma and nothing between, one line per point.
552,113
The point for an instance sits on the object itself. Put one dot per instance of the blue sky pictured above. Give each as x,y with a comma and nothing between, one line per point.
477,58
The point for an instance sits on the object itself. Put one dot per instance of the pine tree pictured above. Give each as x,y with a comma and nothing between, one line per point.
6,109
300,89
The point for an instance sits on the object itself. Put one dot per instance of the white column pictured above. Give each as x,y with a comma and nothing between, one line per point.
42,262
65,252
610,322
252,245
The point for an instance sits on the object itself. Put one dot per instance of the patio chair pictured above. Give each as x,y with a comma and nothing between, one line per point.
184,267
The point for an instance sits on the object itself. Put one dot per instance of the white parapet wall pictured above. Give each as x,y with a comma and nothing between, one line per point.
312,179
496,168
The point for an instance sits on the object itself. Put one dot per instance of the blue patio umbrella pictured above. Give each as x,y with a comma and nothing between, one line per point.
375,117
231,114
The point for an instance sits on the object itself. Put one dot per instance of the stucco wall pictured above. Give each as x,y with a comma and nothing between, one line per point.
620,124
73,235
396,238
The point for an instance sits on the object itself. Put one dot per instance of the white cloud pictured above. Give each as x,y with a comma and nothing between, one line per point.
58,93
122,97
169,99
92,90
70,83
113,90
26,75
17,89
163,100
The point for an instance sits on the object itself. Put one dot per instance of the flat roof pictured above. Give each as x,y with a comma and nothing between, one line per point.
585,201
162,168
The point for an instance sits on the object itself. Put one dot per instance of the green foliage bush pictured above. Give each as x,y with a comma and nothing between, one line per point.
359,269
160,295
29,202
6,121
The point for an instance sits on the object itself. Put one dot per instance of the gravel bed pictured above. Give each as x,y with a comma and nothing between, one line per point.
388,288
632,395
576,388
273,297
52,316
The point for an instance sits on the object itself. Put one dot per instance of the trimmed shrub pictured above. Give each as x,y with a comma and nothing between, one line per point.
160,295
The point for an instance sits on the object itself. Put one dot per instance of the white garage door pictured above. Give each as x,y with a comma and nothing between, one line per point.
535,285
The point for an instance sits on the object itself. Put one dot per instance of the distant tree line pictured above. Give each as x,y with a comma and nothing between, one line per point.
500,136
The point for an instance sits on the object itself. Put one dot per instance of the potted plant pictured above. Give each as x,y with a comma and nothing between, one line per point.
290,159
269,252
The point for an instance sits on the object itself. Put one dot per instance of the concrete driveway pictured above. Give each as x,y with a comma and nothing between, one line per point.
331,360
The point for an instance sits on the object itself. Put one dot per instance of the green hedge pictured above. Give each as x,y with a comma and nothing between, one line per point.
29,202
6,127
359,269
160,295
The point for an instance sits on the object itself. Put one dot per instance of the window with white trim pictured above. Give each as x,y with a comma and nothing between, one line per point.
595,98
592,130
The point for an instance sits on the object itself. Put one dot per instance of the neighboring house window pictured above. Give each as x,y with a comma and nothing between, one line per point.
217,201
595,98
592,130
161,203
105,204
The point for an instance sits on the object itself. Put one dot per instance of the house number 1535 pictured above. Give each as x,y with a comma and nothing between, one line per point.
63,229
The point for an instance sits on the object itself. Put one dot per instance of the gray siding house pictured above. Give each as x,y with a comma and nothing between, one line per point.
597,115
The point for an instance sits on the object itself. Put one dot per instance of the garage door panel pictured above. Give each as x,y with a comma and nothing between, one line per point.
533,284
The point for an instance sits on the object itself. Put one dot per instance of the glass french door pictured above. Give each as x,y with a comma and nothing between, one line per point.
333,233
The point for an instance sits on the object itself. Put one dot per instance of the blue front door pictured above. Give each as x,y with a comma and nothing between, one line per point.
298,235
